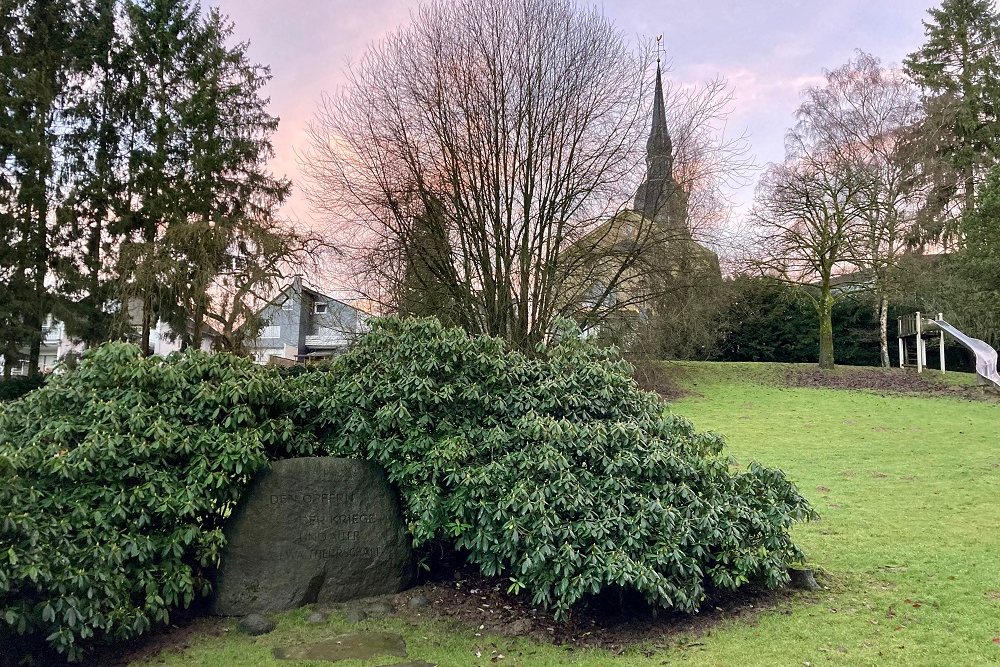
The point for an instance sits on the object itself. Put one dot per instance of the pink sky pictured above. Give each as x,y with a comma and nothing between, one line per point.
767,49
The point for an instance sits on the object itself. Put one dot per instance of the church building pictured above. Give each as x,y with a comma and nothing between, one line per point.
647,255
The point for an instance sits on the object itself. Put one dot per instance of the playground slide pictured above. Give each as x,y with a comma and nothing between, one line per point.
986,356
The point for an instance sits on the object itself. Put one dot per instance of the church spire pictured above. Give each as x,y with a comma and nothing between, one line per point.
658,145
652,199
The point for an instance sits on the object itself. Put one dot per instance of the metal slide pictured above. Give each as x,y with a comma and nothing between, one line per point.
986,356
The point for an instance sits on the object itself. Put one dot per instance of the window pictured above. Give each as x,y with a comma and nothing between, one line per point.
319,308
287,304
271,332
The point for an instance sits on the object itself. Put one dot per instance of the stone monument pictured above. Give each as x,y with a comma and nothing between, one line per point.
313,530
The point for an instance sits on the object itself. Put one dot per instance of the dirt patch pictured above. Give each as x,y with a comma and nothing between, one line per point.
655,376
177,637
883,380
483,606
615,624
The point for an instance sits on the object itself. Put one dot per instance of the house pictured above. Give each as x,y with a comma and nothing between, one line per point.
302,324
55,345
162,338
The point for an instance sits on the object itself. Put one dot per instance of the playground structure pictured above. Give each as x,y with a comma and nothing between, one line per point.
919,327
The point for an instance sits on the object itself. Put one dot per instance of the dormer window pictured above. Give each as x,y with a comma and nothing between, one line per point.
319,307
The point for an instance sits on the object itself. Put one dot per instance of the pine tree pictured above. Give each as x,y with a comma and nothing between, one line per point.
978,262
429,281
231,233
93,210
39,63
959,70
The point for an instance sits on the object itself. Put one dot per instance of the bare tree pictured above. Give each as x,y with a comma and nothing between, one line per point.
709,162
518,122
805,213
863,116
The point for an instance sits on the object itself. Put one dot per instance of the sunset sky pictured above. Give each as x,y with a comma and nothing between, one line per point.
767,49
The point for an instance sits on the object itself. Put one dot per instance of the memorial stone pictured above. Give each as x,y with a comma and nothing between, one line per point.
313,530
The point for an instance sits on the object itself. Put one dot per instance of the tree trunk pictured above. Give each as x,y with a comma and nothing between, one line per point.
883,330
970,189
37,317
826,327
34,357
147,305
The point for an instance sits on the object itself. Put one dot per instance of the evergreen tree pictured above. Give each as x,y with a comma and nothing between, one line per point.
11,270
233,199
133,150
978,262
206,204
959,70
164,36
429,281
39,64
98,153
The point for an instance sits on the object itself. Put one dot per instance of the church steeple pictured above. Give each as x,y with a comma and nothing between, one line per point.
653,197
659,146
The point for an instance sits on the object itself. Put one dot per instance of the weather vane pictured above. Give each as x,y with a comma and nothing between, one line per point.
659,48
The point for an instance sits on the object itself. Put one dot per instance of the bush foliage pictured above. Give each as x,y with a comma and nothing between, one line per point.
17,386
115,480
553,470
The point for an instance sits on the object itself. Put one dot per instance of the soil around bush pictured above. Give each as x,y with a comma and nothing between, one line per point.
186,626
613,623
480,605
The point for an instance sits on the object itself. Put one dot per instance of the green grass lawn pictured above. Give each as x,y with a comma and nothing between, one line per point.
908,544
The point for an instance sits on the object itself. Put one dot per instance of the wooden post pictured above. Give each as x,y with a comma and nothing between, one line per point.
920,353
899,337
941,317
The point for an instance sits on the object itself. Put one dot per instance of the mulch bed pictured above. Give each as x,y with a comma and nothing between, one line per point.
185,627
892,380
474,601
482,606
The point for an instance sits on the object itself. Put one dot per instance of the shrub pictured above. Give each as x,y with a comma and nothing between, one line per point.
768,320
116,478
553,470
17,386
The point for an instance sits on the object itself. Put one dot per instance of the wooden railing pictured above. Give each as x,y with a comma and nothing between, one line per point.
907,325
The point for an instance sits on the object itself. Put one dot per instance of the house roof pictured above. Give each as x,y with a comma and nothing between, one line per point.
314,293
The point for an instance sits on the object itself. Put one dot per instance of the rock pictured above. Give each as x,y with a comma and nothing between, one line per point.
354,615
380,609
803,579
357,646
255,624
317,617
418,602
519,628
313,530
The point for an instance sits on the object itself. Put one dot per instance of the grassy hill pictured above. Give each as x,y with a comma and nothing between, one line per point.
908,489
